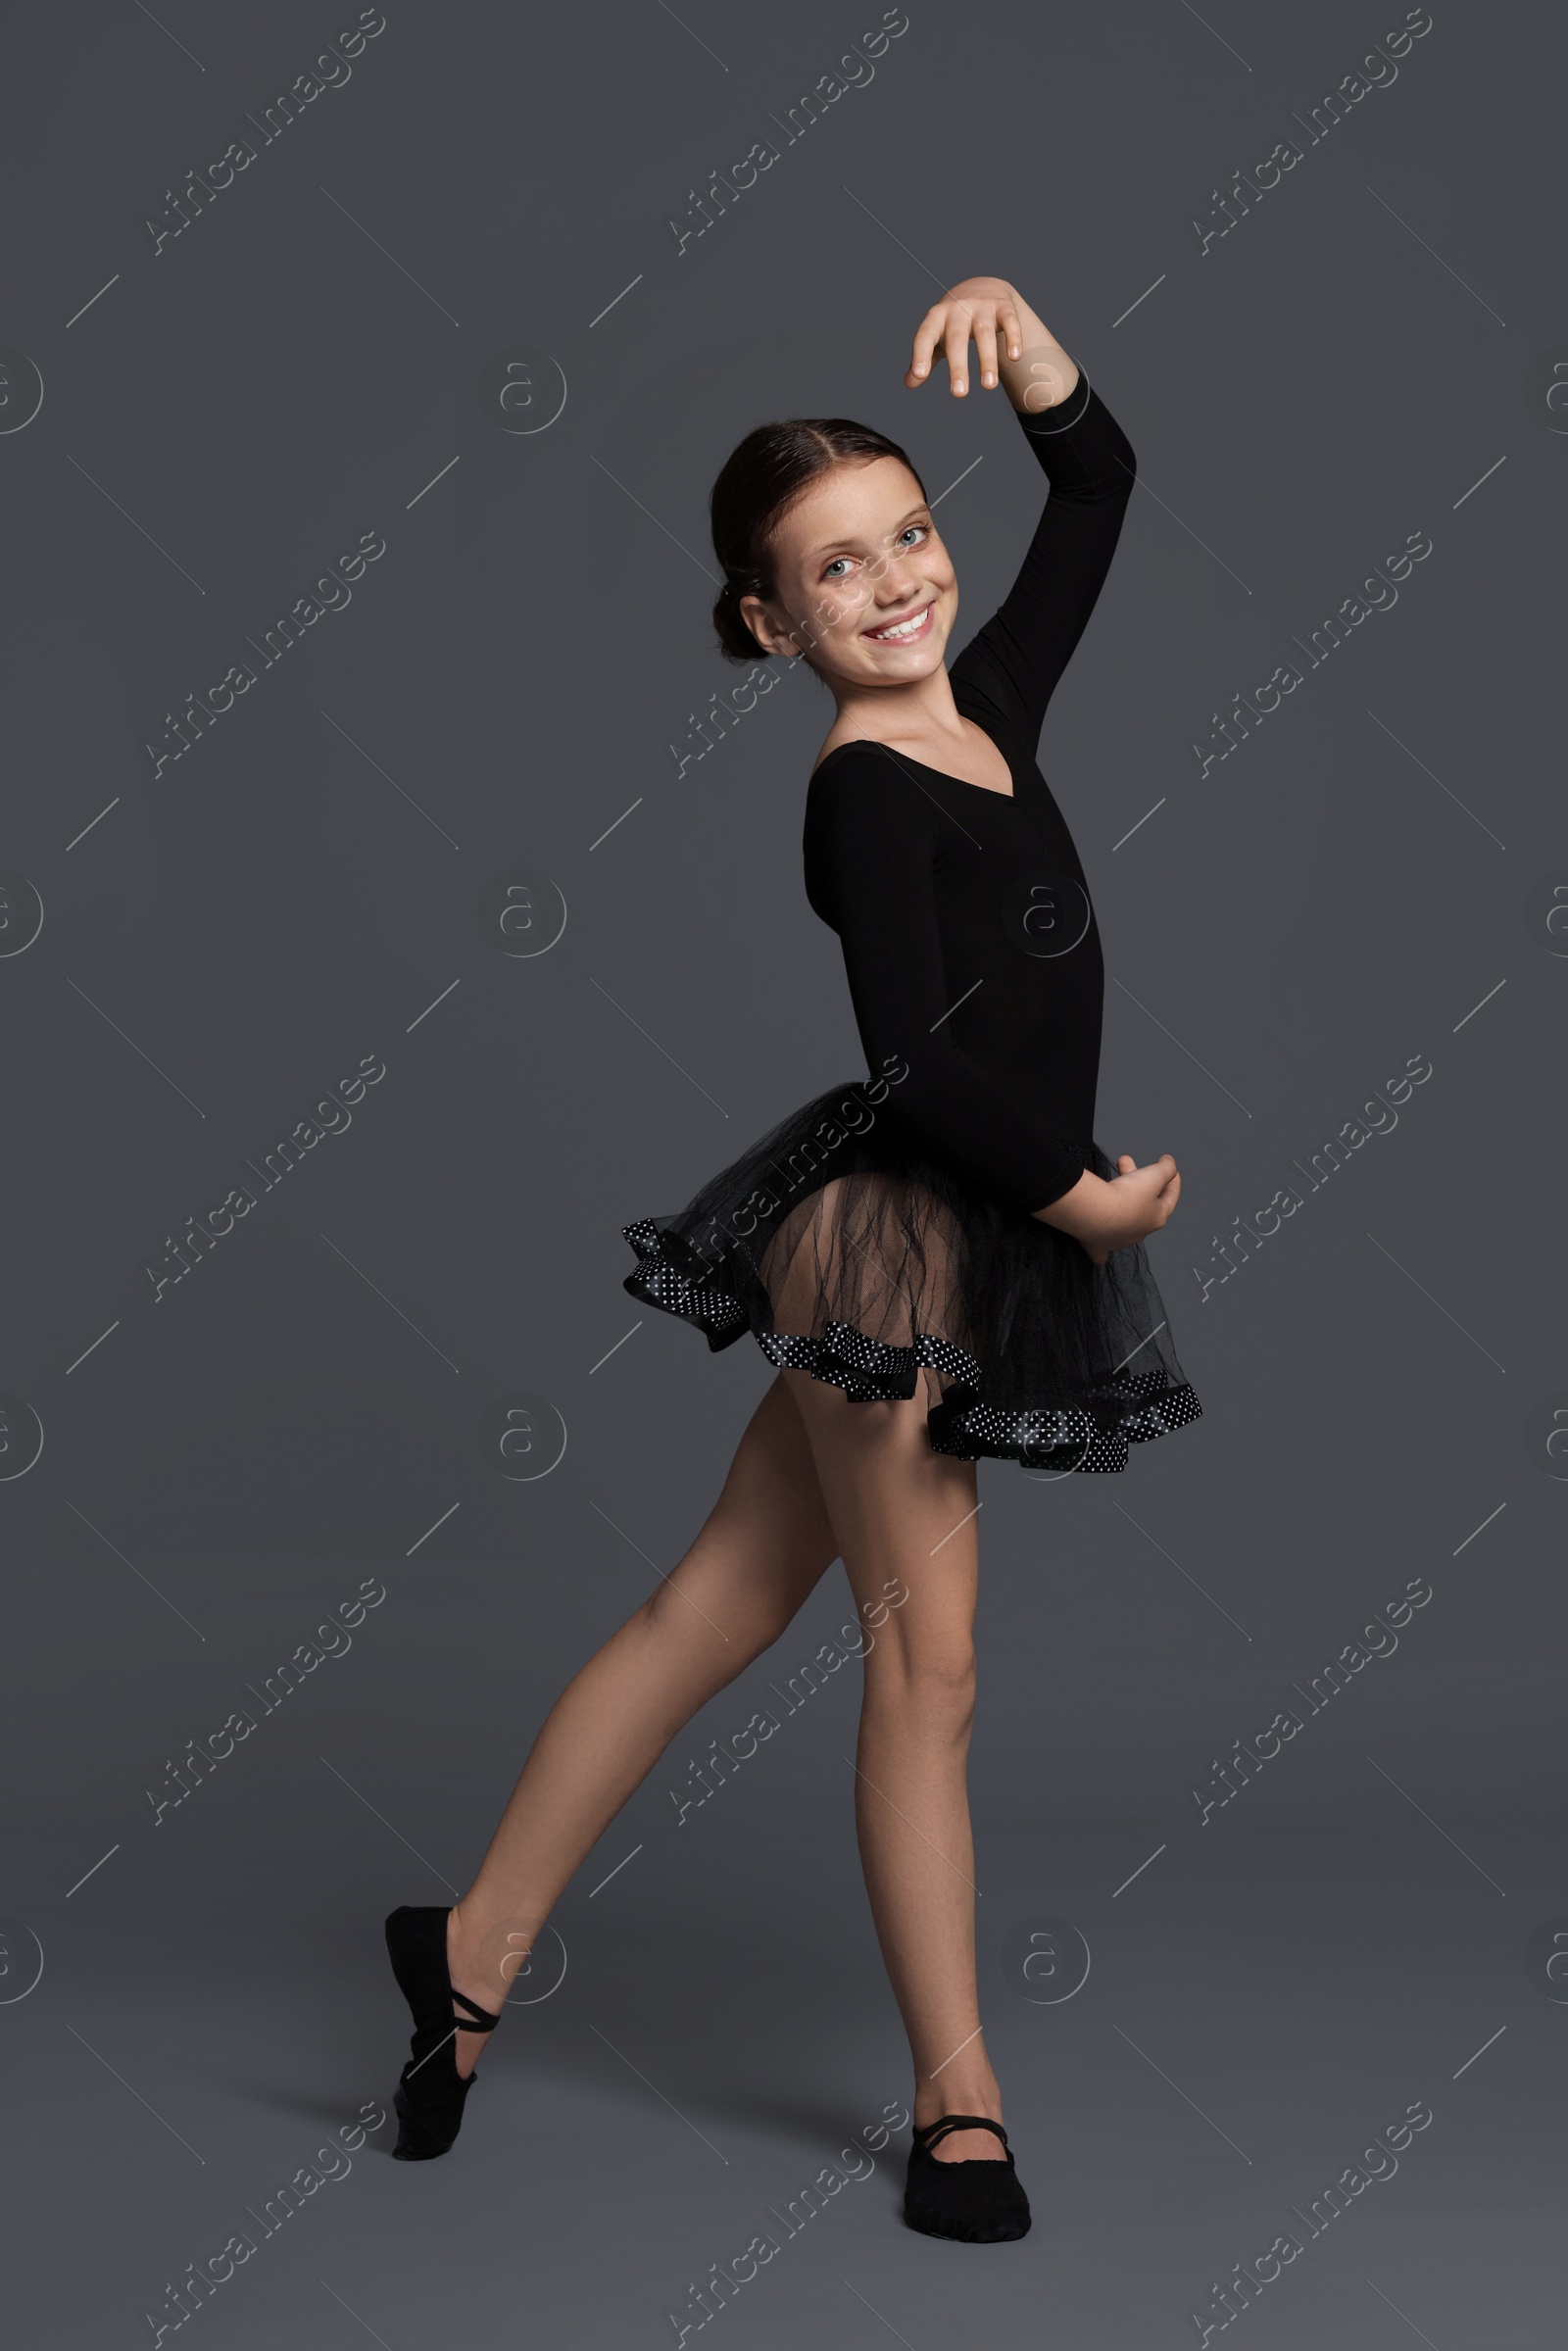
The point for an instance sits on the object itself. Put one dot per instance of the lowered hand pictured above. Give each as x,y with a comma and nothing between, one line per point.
1115,1212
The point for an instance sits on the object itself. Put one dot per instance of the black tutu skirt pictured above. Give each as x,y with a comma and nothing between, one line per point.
849,1253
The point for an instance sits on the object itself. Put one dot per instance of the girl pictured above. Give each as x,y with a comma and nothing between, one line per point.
939,1260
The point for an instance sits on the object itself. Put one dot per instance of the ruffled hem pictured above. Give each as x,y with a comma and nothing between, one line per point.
1092,1438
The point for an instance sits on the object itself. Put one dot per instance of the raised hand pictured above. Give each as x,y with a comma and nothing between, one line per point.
1013,345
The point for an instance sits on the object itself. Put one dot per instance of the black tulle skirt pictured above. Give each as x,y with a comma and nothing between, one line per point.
848,1252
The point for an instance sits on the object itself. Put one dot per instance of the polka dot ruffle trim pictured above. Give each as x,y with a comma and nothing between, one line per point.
1092,1439
661,1282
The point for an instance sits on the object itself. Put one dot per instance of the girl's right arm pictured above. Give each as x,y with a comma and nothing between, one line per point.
869,857
1112,1213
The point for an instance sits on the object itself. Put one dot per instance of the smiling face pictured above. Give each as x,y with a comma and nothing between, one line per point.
863,584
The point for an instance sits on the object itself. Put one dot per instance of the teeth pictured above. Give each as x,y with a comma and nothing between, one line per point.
905,628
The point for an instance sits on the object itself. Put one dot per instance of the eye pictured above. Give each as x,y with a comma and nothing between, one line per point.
912,531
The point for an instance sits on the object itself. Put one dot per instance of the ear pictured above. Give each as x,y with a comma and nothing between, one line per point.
755,613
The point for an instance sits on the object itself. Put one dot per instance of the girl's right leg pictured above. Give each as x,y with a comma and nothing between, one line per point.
905,1521
765,1544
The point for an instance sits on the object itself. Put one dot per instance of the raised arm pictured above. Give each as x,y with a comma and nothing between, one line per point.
1005,675
1008,672
869,871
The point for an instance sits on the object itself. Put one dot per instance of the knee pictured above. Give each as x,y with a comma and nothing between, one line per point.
930,1681
735,1637
753,1635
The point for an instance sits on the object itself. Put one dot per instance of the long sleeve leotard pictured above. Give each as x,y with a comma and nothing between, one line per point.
969,938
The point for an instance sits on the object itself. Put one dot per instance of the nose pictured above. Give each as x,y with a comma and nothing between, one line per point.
896,579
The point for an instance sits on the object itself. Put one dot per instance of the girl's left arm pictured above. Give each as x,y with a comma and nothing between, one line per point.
1011,340
1005,676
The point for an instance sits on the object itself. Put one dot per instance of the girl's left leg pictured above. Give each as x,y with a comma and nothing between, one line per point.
766,1543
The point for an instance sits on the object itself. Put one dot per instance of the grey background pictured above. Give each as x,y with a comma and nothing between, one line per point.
303,1411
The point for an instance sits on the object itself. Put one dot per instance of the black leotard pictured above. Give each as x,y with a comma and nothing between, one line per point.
969,938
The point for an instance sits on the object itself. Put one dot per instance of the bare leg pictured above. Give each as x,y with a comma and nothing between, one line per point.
903,1513
765,1544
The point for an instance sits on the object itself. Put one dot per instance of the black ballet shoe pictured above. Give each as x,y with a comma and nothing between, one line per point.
978,2201
431,2092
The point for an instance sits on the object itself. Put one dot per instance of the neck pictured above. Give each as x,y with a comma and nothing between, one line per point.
924,708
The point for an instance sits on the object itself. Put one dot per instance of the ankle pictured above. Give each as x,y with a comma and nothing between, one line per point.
974,2092
486,1949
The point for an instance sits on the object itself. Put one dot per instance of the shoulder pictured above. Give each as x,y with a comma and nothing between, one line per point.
865,813
860,771
865,788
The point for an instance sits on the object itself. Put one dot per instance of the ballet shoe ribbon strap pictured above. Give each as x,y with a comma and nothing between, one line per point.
484,2020
930,2133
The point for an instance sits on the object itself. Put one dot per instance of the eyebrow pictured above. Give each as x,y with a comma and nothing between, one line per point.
833,546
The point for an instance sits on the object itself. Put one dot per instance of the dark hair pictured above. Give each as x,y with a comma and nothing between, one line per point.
761,476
